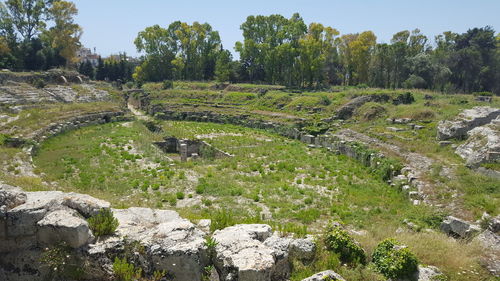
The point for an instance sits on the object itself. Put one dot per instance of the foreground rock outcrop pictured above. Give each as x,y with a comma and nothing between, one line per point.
482,145
252,253
154,240
466,121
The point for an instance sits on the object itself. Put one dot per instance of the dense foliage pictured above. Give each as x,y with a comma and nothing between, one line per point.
38,34
104,223
277,50
394,260
339,241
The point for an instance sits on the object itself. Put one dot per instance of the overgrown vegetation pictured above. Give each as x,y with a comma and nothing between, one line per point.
394,260
339,241
104,223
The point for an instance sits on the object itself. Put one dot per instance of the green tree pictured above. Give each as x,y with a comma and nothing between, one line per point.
65,34
223,67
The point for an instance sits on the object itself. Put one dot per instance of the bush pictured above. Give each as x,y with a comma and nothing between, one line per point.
125,271
180,195
394,260
415,82
487,94
339,241
104,223
39,83
167,84
221,219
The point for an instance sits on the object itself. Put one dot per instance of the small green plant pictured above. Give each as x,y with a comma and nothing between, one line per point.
104,223
222,219
210,243
339,241
167,84
39,83
125,271
485,94
394,260
180,195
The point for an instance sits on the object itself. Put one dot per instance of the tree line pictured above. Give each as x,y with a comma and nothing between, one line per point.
277,50
42,34
116,68
38,34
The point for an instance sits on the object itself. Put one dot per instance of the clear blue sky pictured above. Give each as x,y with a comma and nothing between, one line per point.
112,25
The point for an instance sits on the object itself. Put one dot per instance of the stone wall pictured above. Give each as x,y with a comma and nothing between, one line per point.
50,77
154,240
330,142
189,148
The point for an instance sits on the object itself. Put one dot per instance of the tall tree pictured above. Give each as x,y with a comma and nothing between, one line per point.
28,16
65,34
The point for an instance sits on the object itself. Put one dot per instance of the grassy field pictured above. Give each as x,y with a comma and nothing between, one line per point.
270,179
465,190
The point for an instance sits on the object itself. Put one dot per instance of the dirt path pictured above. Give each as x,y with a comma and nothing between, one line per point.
138,114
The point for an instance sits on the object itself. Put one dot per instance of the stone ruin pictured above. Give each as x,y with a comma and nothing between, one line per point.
191,149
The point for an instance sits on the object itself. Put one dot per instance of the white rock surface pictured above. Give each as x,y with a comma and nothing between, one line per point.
466,121
64,226
482,145
427,273
325,275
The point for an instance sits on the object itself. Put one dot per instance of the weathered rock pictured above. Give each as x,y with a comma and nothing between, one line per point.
459,228
172,243
204,225
490,240
241,254
482,146
405,98
325,275
303,249
466,121
86,205
47,218
11,197
64,226
427,273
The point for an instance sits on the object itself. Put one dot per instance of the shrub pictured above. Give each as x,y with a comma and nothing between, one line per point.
125,271
222,219
167,84
39,83
415,82
394,260
339,241
487,94
180,195
104,223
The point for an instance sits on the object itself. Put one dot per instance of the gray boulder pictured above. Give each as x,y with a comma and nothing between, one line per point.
241,254
458,228
253,252
325,275
64,226
11,197
482,145
427,273
170,243
466,121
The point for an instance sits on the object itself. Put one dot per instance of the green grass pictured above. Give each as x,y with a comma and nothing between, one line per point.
35,118
301,188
